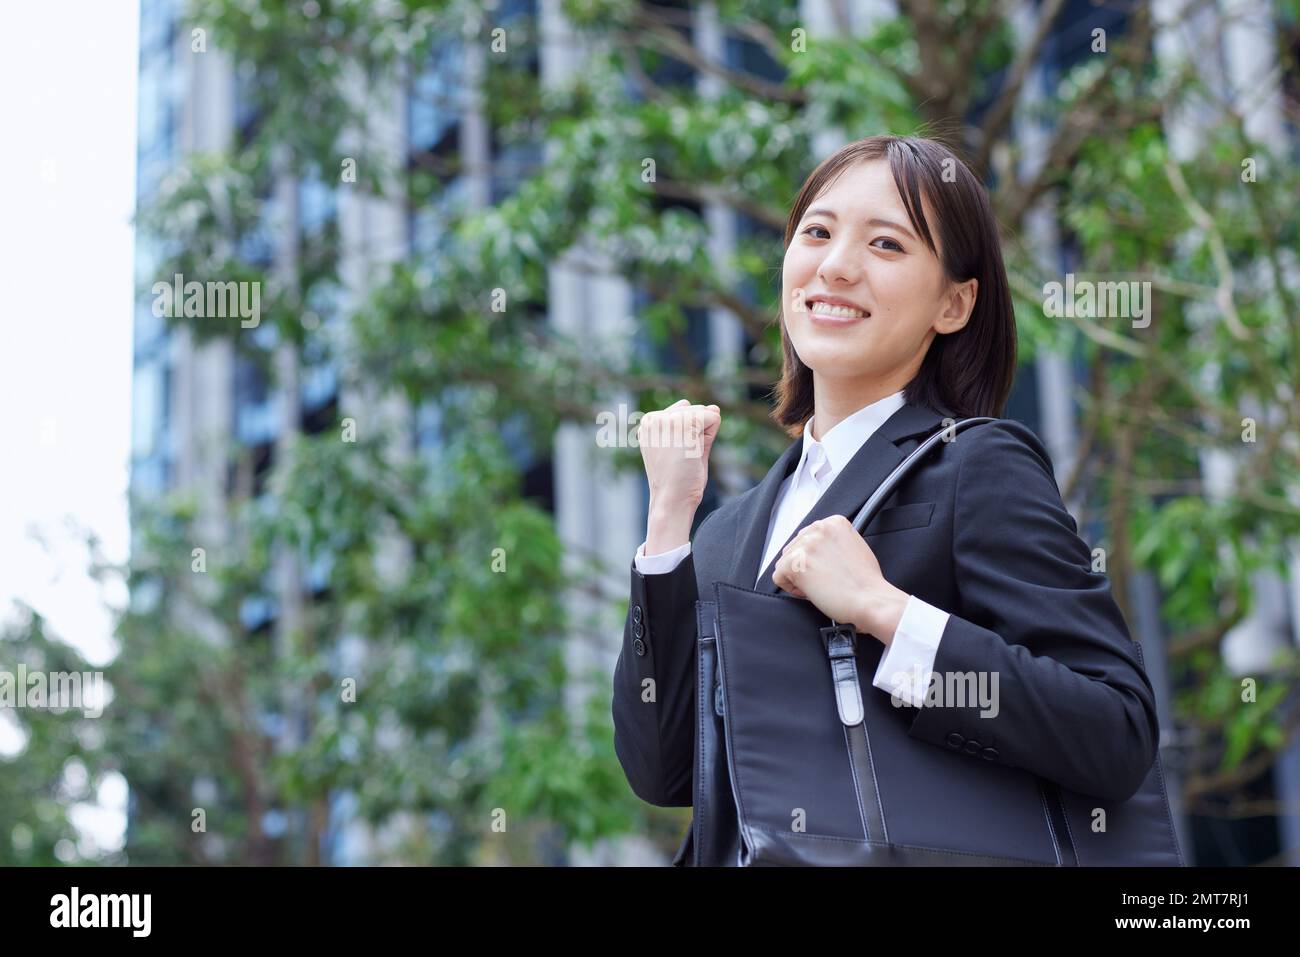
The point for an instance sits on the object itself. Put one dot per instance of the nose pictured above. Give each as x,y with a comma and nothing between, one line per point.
839,265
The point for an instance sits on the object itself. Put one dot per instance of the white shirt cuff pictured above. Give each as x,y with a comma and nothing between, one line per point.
905,667
662,563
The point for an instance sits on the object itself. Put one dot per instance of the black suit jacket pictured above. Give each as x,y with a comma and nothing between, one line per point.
979,531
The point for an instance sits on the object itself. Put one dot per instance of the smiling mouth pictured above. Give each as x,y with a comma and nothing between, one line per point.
825,313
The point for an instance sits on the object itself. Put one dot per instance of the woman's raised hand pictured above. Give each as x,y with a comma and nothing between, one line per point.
675,443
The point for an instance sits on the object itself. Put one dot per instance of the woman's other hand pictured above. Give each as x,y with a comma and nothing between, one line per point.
829,563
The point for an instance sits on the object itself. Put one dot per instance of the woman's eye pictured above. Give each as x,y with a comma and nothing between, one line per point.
893,246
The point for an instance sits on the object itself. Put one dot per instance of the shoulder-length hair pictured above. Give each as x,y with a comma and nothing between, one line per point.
967,372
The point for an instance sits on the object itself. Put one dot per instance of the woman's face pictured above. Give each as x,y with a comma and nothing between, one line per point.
854,244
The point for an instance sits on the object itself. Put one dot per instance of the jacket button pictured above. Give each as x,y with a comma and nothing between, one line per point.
955,740
639,647
638,630
989,754
972,746
636,613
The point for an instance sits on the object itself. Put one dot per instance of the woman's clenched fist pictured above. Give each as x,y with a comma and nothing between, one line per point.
675,444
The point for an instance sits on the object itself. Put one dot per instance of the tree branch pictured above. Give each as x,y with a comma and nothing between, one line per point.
999,113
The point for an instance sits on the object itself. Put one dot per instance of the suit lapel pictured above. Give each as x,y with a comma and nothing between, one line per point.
752,520
850,490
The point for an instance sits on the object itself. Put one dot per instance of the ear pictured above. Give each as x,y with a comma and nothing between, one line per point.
959,303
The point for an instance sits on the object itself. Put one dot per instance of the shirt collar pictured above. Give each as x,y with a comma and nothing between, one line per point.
843,441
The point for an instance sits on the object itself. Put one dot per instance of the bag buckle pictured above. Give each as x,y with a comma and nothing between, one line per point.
841,643
840,640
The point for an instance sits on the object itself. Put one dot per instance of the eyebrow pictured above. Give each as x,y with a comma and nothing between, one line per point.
823,211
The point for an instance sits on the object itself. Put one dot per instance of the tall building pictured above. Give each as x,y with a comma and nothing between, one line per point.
190,400
193,400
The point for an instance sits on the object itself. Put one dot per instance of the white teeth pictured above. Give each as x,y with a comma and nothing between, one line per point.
843,312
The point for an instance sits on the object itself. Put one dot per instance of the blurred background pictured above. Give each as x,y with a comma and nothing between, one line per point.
353,557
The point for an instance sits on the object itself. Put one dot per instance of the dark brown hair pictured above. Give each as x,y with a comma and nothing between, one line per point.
967,372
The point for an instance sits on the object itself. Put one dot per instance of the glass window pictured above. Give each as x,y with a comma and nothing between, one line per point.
664,355
150,330
1071,38
316,571
258,245
508,10
436,97
752,58
255,412
149,477
154,100
428,426
158,19
257,612
248,110
429,223
157,98
148,408
319,386
512,166
317,205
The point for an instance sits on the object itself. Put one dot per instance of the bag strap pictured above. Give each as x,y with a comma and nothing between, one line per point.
891,482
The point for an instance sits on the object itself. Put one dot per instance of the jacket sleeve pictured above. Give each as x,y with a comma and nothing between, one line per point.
655,684
1070,701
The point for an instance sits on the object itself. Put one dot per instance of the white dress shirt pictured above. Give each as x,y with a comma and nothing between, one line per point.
910,656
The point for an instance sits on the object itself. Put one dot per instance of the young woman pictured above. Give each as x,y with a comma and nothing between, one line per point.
895,316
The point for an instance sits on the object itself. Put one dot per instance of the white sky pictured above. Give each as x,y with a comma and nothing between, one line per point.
68,128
